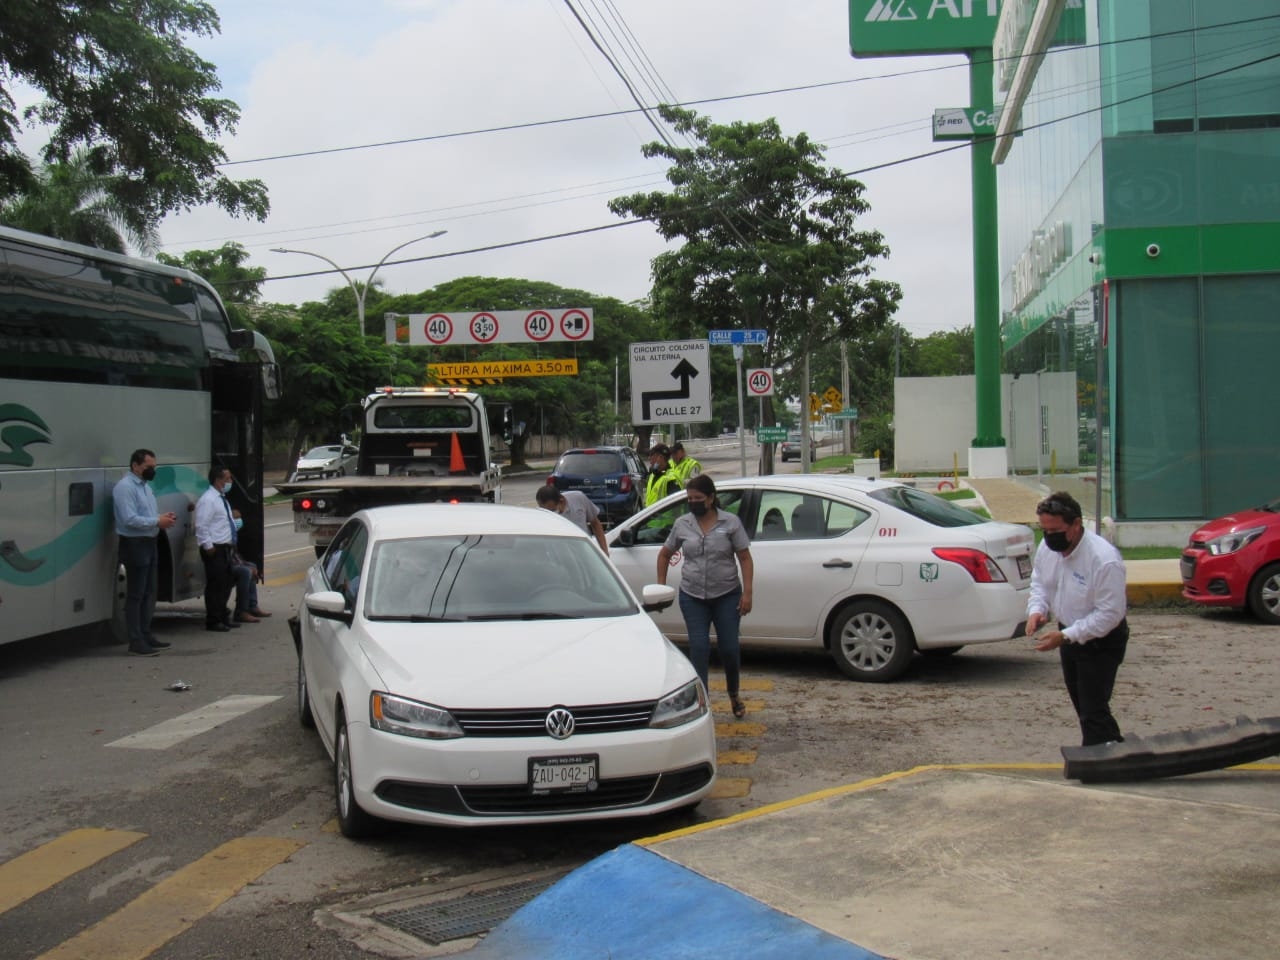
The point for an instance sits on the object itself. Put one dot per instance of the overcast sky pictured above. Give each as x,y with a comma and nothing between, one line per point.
331,75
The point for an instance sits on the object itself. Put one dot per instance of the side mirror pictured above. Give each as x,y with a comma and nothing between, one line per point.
627,537
329,604
657,596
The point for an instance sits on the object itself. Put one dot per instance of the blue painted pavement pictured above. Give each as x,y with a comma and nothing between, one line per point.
632,904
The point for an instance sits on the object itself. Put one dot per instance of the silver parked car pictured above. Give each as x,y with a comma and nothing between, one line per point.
325,462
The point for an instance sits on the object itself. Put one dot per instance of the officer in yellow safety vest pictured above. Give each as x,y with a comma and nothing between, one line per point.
662,478
683,465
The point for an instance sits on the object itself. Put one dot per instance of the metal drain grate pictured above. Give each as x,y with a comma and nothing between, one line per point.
466,915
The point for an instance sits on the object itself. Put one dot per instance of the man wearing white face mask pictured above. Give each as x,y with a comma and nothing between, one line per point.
216,534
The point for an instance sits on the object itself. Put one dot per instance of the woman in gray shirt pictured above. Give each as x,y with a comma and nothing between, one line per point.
714,547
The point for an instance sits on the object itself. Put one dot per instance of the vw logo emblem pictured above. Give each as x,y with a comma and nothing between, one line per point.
560,723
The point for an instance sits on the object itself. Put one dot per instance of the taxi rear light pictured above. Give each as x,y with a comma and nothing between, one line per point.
306,504
624,483
980,566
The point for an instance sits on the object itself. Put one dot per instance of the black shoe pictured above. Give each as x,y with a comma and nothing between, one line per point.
231,624
159,644
143,652
218,627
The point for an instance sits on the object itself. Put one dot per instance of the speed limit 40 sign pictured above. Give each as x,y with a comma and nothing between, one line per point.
760,382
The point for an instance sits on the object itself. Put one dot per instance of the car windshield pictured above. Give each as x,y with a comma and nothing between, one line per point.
322,453
591,464
493,577
930,509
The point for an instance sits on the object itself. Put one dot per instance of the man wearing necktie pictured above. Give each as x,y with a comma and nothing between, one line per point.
216,534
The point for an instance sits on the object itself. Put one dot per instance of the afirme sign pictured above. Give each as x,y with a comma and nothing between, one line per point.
550,325
890,28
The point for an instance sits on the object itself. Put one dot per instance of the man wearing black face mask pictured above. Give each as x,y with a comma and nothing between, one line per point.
1079,580
138,523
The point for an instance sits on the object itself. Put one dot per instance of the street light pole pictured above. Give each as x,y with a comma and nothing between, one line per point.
358,291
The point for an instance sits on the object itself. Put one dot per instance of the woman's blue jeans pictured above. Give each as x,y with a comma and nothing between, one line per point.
699,615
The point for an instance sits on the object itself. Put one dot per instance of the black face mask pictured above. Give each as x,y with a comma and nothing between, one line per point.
149,474
699,509
1057,541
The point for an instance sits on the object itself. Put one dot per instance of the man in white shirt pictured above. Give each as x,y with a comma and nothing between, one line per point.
1079,580
216,535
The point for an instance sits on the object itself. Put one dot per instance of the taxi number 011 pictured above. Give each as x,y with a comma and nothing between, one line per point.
563,774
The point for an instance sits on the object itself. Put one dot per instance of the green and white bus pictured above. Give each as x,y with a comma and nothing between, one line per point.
100,355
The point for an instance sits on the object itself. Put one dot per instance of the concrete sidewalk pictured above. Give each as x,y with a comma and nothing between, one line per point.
937,863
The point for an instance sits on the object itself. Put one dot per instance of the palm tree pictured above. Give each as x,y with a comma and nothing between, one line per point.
69,201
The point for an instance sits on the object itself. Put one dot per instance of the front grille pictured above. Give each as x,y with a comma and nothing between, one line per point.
519,800
531,721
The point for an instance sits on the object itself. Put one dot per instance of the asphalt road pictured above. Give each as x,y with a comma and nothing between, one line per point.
136,821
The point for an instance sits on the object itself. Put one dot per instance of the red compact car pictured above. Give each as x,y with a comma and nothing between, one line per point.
1234,561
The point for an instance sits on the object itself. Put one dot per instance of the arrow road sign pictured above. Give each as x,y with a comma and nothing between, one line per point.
684,371
738,337
670,382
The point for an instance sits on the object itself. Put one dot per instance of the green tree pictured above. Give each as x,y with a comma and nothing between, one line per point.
120,84
944,353
73,202
238,285
771,241
326,367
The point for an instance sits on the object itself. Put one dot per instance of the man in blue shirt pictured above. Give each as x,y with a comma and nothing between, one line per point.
138,523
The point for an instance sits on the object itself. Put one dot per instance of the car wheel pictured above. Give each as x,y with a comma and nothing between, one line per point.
342,472
304,699
352,821
1264,594
871,641
942,651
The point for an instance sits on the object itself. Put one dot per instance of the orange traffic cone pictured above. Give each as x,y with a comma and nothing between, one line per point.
456,464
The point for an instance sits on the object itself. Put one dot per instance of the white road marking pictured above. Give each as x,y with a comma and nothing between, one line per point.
170,732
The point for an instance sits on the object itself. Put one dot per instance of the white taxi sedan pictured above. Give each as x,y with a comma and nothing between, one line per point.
870,570
475,664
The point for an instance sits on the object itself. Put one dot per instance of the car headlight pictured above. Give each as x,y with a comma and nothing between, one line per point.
681,706
1231,542
409,718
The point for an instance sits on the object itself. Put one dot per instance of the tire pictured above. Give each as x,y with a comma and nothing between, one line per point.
342,472
942,651
305,717
1264,594
871,642
352,821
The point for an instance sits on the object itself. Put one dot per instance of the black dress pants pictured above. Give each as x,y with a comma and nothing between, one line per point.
218,583
1089,670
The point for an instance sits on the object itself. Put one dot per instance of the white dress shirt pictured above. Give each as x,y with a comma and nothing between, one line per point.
213,519
1084,590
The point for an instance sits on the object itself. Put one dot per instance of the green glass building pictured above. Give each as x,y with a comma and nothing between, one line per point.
1140,249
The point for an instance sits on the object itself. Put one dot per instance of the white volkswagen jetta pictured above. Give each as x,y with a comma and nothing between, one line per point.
475,664
871,571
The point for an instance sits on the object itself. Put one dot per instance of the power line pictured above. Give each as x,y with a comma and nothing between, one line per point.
962,145
799,88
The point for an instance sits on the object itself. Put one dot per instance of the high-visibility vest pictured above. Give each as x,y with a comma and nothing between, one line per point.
686,469
660,484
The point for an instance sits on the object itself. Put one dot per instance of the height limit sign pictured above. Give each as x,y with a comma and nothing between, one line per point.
760,383
671,382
